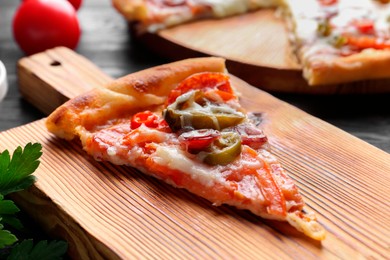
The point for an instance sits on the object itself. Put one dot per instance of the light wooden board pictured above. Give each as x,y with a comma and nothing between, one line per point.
257,48
106,211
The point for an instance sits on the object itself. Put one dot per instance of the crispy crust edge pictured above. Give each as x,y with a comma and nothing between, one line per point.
132,10
365,65
126,95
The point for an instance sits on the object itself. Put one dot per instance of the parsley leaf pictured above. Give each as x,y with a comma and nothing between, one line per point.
15,173
43,250
7,211
6,238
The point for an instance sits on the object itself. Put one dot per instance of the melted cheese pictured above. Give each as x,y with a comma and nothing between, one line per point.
223,8
175,159
305,16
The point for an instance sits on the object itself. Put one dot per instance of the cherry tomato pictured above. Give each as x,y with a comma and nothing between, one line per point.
43,24
198,140
76,4
217,82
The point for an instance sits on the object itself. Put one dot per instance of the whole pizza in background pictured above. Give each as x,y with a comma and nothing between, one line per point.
335,41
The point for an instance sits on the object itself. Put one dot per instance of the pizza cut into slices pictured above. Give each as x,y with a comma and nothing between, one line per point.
335,41
183,124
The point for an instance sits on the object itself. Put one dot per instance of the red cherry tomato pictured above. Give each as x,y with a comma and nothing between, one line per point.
76,4
43,24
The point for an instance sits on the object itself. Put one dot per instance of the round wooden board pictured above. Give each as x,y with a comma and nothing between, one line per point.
257,50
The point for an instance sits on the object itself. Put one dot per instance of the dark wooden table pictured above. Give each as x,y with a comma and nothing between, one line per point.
106,41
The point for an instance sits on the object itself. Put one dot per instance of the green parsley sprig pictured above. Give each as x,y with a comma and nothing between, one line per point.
16,175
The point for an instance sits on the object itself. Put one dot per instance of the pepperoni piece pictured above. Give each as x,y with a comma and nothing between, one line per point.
205,81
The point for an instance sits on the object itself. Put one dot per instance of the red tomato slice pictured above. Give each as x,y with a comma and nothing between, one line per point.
364,25
366,42
204,81
198,140
148,119
328,2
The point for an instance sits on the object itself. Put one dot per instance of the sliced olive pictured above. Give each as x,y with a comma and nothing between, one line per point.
194,110
178,119
324,29
224,150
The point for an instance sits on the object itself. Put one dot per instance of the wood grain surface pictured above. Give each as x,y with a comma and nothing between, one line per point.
258,51
106,211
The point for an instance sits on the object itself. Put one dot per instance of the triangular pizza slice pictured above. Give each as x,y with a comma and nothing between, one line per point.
182,123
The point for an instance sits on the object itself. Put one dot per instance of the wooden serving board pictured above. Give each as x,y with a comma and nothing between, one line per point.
107,211
257,49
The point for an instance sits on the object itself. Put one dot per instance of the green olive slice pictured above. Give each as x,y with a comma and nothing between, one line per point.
177,119
224,150
194,111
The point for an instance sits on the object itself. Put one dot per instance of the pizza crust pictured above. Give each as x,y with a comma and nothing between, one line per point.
125,96
368,64
132,10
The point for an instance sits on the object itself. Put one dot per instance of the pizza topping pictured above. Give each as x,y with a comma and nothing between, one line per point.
198,140
218,83
148,119
203,100
173,2
275,200
223,150
364,25
250,135
194,109
324,29
328,2
364,42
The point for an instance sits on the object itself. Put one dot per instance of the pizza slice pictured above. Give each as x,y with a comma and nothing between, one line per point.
154,15
340,41
182,123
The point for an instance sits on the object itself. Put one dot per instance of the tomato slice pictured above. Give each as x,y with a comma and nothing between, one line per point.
364,25
198,140
149,119
206,81
365,42
327,2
